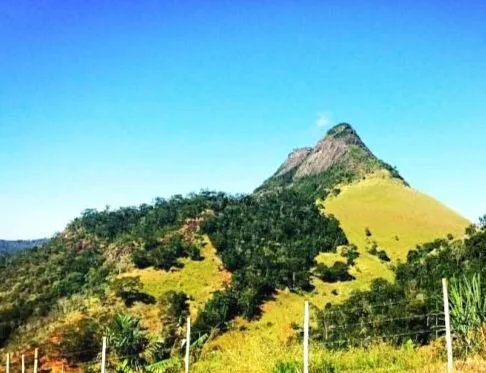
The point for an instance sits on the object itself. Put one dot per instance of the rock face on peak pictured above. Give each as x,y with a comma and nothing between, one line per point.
295,159
338,141
339,157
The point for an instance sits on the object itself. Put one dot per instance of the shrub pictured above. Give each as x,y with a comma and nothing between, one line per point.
351,254
173,307
338,272
381,254
141,259
128,289
287,367
468,313
80,342
219,310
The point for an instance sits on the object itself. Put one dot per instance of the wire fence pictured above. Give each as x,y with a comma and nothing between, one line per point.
423,325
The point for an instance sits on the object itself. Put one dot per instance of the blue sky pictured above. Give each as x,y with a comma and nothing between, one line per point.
115,103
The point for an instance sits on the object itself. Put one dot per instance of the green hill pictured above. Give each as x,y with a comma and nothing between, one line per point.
394,215
240,266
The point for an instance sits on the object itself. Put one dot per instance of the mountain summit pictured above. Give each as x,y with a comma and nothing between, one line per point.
341,156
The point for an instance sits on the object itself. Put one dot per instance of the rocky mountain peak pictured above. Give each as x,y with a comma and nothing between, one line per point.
340,156
338,141
294,159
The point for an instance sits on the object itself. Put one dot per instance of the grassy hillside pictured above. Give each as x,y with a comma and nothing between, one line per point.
398,217
272,337
198,279
266,245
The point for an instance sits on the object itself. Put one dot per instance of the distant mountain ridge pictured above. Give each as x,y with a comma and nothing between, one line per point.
341,156
9,246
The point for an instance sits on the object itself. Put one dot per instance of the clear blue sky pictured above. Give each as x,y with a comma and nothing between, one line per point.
117,102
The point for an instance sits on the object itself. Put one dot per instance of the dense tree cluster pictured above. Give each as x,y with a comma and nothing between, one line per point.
164,254
33,280
268,241
75,262
147,222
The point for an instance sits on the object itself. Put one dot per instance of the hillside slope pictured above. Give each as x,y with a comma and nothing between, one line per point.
398,217
244,264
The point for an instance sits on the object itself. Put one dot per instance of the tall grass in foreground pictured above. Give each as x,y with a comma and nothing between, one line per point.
468,314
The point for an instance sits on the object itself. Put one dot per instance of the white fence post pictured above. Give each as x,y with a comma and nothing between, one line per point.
306,337
188,345
7,366
36,358
103,355
23,363
450,365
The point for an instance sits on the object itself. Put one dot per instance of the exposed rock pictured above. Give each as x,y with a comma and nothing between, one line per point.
329,150
295,159
342,148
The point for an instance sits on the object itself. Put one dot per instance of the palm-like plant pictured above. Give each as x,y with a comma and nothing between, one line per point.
128,339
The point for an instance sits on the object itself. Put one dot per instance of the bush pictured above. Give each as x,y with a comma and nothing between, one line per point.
351,254
219,310
287,367
80,342
141,259
338,272
468,313
128,289
173,310
381,254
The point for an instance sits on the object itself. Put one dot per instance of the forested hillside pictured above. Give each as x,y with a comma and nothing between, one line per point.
333,226
267,242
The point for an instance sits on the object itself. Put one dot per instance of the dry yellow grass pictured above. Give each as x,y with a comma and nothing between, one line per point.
199,279
258,345
398,216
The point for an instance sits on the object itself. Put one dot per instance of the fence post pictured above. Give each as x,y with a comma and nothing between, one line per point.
7,366
36,358
103,355
23,363
188,345
450,366
306,337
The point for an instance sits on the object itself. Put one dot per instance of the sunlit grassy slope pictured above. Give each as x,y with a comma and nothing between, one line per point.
257,346
198,279
397,216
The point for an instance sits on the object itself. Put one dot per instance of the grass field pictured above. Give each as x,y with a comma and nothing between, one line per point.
258,345
397,216
198,279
